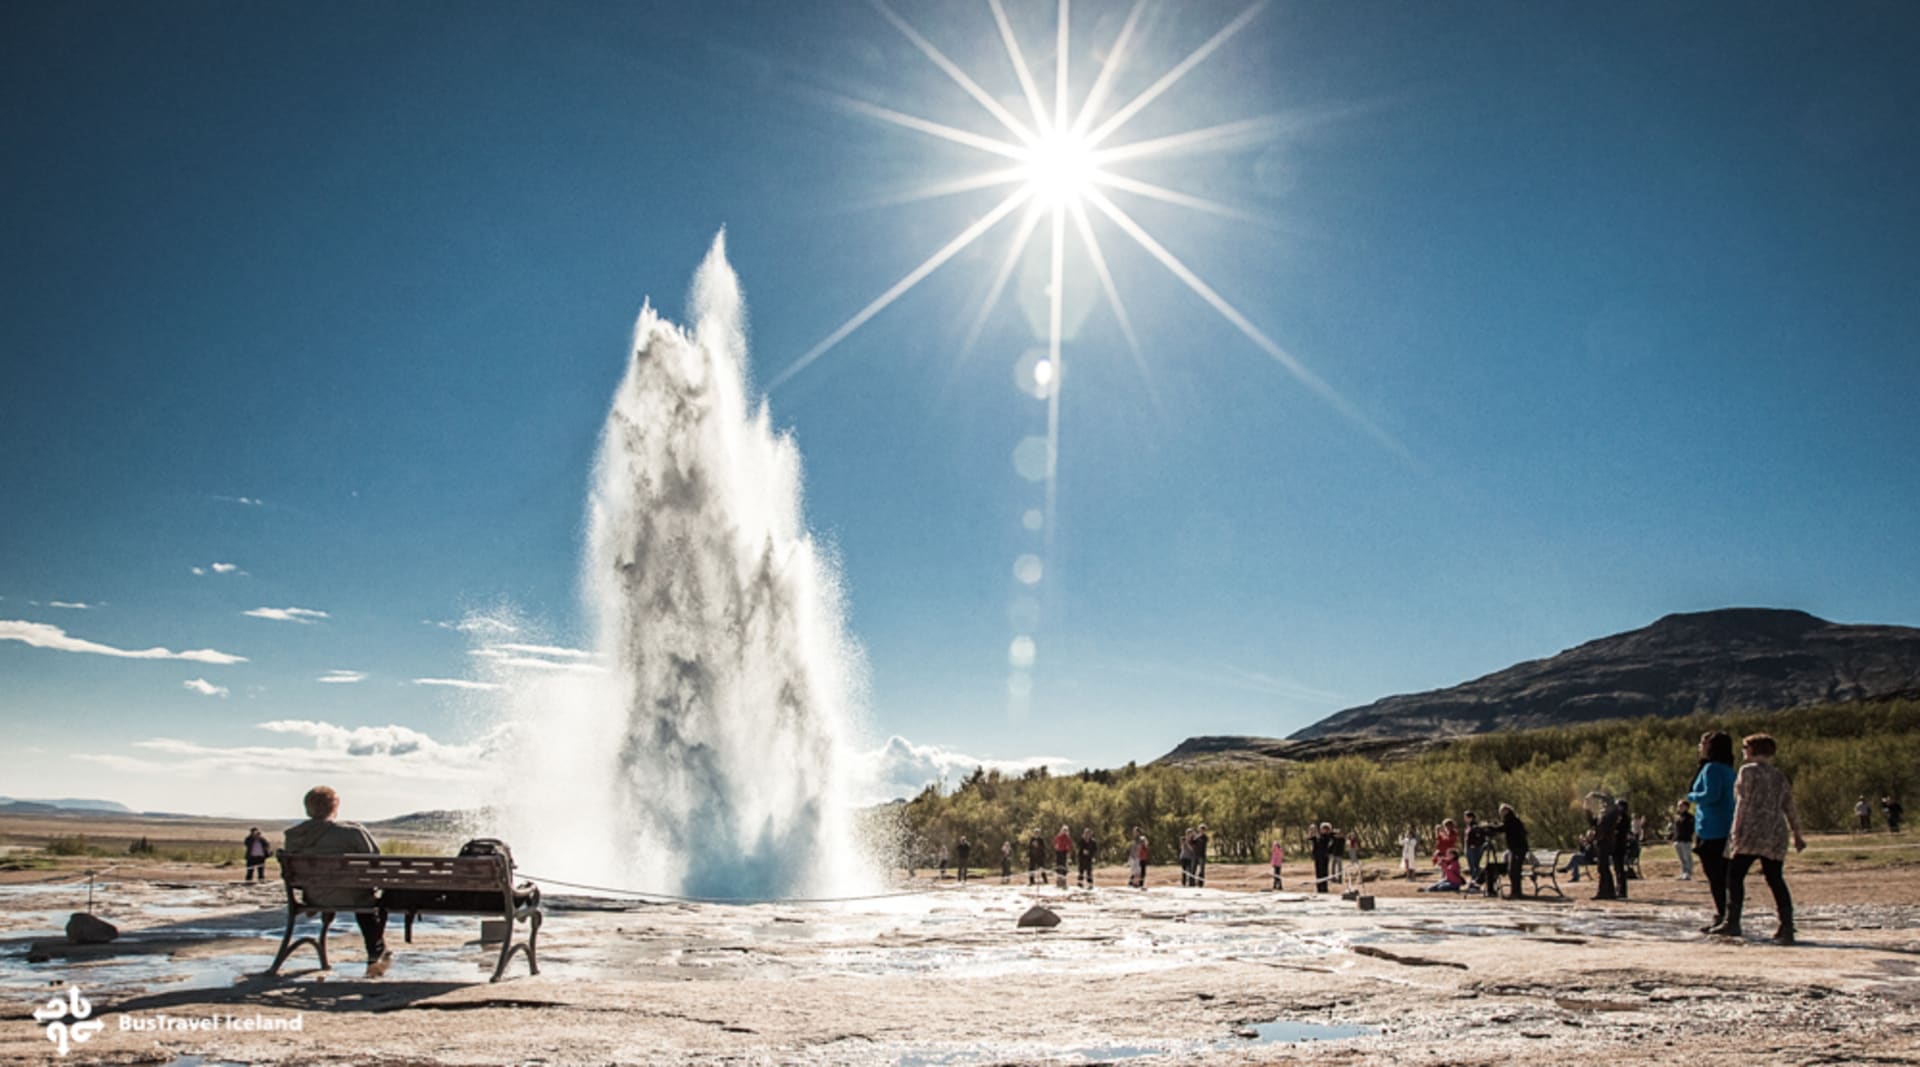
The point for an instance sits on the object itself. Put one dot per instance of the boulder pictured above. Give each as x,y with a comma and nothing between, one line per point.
1039,916
85,929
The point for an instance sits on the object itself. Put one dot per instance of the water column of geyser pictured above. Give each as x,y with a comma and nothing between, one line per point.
712,758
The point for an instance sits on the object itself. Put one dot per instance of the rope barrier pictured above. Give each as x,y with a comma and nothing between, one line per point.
645,894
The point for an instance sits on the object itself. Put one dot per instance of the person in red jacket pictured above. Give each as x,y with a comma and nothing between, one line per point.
1062,848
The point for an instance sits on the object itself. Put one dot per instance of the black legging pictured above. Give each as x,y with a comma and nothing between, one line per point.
1713,860
1737,869
373,930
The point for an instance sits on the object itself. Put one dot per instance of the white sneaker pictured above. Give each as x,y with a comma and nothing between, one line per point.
378,967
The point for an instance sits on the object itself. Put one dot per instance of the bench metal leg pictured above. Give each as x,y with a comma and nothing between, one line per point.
286,942
510,946
288,945
409,920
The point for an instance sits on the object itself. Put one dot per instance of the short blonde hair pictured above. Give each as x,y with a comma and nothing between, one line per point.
321,802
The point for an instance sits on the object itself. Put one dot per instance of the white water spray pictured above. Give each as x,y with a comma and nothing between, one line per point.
709,753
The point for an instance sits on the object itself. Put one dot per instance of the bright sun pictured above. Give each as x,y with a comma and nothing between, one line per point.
1059,168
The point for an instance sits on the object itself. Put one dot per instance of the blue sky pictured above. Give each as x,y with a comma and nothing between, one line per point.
339,296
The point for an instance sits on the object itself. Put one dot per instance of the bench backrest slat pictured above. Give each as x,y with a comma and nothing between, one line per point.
367,871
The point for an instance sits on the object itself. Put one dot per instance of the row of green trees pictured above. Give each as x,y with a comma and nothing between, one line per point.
1833,754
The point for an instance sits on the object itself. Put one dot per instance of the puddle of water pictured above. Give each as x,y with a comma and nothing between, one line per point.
1287,1032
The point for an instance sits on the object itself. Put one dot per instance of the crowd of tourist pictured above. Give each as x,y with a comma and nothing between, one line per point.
1732,818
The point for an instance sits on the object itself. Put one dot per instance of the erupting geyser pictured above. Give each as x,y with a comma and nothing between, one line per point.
709,755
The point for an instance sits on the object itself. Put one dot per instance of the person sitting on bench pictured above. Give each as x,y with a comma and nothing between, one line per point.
320,835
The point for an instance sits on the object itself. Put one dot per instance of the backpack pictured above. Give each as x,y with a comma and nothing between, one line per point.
487,846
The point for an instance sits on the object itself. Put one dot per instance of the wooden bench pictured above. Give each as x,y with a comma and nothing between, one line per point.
410,886
1536,864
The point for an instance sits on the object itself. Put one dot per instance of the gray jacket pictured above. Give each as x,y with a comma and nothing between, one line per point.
324,837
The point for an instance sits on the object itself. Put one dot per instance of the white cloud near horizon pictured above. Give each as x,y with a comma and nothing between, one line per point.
304,616
248,501
46,635
74,604
458,683
331,751
901,768
337,676
206,688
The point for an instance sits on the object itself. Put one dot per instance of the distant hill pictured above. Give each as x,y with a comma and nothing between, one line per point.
42,806
1758,659
431,823
1232,752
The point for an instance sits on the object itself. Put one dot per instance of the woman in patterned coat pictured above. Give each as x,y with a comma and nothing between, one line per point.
1763,814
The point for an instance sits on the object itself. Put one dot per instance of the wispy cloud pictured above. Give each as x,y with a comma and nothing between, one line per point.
457,683
206,688
45,635
218,568
330,750
299,615
901,768
547,651
244,501
536,657
337,676
74,604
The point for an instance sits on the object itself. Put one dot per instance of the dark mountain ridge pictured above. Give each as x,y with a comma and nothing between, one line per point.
1760,659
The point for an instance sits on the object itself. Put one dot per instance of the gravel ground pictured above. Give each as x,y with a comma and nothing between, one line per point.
1222,975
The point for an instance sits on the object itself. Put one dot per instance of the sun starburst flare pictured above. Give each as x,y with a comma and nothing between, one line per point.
1057,162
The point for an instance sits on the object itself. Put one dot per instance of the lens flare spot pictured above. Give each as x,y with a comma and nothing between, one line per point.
1033,519
1020,652
1028,569
1028,375
1030,459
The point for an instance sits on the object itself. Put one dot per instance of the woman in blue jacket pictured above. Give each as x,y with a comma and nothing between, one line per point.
1712,798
